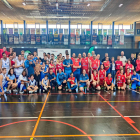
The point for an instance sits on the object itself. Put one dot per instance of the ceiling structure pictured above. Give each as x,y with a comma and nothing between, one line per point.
77,11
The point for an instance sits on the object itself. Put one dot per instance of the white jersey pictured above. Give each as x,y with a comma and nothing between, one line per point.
20,69
45,81
6,64
32,83
4,79
15,59
22,78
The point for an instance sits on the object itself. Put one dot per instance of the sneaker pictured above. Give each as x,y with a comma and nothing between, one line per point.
21,92
30,92
127,86
43,90
7,92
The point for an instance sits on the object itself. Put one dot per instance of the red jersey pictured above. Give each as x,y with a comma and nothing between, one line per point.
71,82
95,77
108,81
98,61
106,63
121,79
52,68
101,74
128,74
94,64
138,65
72,59
79,60
128,66
75,64
59,66
91,58
118,64
118,72
12,63
84,63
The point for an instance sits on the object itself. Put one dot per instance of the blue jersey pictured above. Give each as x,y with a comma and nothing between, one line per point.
46,67
67,62
82,77
11,77
35,58
32,83
135,76
60,78
51,76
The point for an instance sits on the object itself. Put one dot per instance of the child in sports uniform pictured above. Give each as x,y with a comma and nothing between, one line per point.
45,83
32,85
121,80
128,77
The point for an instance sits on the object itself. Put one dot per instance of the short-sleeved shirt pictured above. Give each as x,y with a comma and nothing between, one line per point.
51,76
82,77
11,77
118,64
67,62
108,81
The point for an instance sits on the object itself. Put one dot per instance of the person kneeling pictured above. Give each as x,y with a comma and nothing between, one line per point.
95,80
45,84
128,77
61,79
32,86
84,81
109,82
135,80
121,80
71,82
22,80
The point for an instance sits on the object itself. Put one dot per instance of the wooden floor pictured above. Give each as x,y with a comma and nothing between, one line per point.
101,115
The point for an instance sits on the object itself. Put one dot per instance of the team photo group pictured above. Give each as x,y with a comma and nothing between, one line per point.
72,74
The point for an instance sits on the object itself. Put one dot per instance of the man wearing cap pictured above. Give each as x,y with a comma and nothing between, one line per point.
67,64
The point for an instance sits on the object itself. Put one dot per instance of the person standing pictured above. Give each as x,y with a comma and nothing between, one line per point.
94,65
138,65
19,66
123,58
118,63
67,64
133,60
112,69
14,56
107,65
29,65
106,55
5,62
85,63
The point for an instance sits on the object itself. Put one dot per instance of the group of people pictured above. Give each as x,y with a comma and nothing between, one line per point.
65,73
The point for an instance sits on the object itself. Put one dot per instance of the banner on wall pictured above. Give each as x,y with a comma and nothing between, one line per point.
109,37
83,37
54,51
117,37
87,36
27,31
38,31
43,31
11,39
121,36
50,36
94,36
60,36
72,36
77,36
5,36
100,39
65,36
21,36
10,31
104,36
56,36
28,37
32,35
16,39
129,31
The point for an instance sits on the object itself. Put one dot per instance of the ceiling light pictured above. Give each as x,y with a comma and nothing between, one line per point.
24,3
88,4
120,5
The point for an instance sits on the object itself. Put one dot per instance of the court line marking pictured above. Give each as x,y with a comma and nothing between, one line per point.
118,112
59,117
88,135
67,102
36,125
